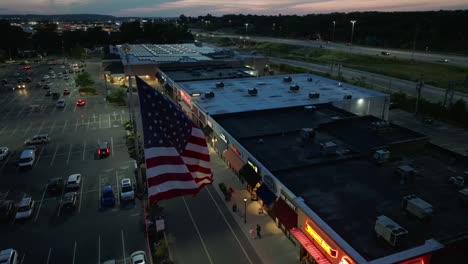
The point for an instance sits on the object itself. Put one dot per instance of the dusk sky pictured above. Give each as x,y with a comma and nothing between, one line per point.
171,8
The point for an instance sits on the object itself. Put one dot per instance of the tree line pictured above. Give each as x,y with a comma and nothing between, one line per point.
444,31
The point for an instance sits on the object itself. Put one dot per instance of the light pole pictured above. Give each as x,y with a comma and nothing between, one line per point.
245,210
352,30
136,142
246,27
333,34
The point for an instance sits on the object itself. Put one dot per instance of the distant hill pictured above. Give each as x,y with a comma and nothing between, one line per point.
64,17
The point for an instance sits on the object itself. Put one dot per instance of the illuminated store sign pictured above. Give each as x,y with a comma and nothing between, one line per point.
223,137
185,97
252,165
324,245
235,150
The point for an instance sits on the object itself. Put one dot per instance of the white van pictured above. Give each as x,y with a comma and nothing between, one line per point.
27,158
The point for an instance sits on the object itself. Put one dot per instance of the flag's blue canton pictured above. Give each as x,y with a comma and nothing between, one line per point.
165,125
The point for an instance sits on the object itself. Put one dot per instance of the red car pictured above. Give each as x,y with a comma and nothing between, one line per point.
80,102
66,91
27,67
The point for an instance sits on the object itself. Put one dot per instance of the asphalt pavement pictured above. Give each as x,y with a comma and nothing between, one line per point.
91,233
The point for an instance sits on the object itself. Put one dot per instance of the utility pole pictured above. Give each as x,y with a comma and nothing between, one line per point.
414,43
419,86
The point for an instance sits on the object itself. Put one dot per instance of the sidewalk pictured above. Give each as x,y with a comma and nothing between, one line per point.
274,246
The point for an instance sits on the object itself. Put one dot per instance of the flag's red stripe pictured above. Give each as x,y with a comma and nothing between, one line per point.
195,155
197,180
156,180
198,168
163,160
171,194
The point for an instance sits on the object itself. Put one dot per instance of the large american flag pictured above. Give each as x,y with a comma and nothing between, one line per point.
176,153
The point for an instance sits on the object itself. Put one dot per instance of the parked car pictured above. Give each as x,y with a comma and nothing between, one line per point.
103,149
25,208
69,200
443,60
60,103
38,139
38,85
4,151
385,53
55,186
66,91
46,87
126,190
27,158
107,196
74,182
55,95
80,102
138,257
21,86
9,256
7,210
48,93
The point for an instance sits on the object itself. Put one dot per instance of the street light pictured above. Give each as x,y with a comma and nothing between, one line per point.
352,30
246,27
136,142
245,210
333,34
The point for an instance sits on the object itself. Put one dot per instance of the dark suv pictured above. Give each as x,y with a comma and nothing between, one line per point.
103,150
55,186
7,210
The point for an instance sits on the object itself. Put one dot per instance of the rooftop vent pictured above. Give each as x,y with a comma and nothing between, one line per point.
387,229
381,155
417,207
287,79
310,79
307,134
209,95
219,84
252,91
347,97
314,95
294,88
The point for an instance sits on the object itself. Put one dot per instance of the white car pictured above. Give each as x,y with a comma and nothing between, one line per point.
126,190
25,208
46,77
60,103
9,256
52,76
38,139
443,60
138,257
73,182
4,151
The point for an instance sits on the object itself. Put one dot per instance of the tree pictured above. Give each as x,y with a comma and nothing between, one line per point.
84,79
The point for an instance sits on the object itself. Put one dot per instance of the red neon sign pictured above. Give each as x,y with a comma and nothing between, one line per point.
320,241
185,97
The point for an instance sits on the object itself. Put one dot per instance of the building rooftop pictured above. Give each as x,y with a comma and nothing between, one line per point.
207,73
345,186
273,92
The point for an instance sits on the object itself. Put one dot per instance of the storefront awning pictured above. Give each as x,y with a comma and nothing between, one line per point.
266,195
309,246
250,176
286,215
234,160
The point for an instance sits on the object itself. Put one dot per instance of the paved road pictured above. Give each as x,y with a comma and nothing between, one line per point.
90,234
381,82
402,54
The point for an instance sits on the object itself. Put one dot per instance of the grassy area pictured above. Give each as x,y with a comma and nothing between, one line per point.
88,90
432,73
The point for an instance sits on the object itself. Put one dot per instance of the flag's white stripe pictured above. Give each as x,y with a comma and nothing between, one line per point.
197,148
170,185
196,132
160,151
162,169
200,175
193,161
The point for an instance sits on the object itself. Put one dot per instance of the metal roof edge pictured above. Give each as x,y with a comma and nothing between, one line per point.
429,245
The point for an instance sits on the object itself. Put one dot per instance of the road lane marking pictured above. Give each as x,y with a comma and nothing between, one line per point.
48,256
81,193
99,250
64,126
123,244
230,227
84,149
53,157
198,231
74,253
40,204
69,153
52,127
40,128
27,129
39,156
112,147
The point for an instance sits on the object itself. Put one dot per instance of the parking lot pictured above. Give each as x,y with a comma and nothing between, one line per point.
90,233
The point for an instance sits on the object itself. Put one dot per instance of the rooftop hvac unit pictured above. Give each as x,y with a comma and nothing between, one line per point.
310,108
252,91
310,79
209,95
314,95
381,155
294,88
287,79
219,85
307,134
328,147
417,207
347,97
390,231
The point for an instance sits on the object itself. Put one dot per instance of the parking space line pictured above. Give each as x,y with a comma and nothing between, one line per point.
88,123
52,127
76,125
64,126
69,153
65,107
22,258
99,250
40,128
74,109
74,253
110,123
81,193
20,112
112,147
27,129
40,204
14,131
53,157
117,188
43,109
123,244
39,156
84,149
99,193
100,121
48,256
53,110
